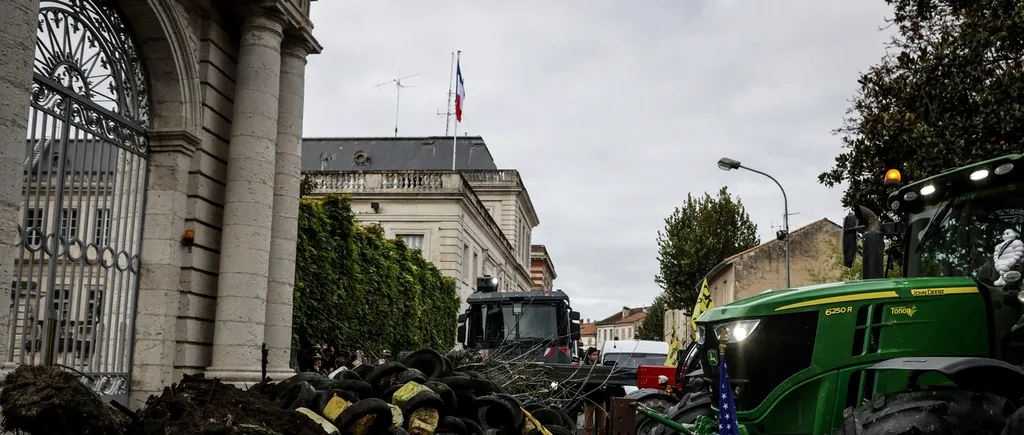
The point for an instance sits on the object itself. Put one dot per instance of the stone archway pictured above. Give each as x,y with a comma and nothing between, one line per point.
92,129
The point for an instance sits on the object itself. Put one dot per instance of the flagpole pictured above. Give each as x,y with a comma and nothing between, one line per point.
455,130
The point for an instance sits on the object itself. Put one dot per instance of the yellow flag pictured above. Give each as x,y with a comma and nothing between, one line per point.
672,359
704,303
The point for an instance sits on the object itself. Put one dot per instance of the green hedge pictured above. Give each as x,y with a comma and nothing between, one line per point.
359,291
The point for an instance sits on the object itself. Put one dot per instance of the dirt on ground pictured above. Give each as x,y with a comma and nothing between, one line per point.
52,400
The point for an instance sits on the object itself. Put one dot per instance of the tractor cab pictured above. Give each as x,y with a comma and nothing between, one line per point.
969,222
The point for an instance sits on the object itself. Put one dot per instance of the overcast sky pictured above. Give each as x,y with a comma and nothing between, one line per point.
611,110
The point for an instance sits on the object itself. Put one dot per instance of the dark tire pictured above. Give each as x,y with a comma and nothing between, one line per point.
658,403
1014,424
428,361
936,412
689,408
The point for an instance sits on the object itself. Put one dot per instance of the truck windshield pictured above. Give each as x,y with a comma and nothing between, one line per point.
965,237
537,321
632,360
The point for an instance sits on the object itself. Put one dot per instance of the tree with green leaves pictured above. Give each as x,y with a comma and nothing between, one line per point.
697,236
948,93
652,327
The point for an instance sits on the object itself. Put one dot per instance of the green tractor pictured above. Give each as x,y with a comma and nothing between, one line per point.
937,351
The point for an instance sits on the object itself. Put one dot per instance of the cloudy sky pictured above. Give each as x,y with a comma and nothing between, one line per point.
612,111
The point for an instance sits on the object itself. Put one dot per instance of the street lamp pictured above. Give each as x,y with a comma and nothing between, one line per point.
727,164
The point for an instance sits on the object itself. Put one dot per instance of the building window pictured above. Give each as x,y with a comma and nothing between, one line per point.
413,241
476,268
61,303
101,234
69,223
95,308
34,227
465,263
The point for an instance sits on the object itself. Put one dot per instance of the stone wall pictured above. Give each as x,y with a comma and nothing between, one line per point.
764,267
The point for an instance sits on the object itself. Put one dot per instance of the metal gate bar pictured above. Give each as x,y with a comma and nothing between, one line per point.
76,275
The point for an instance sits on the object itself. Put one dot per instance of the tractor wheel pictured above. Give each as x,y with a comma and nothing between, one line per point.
689,408
645,425
936,412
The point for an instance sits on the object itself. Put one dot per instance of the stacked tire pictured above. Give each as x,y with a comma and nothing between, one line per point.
421,394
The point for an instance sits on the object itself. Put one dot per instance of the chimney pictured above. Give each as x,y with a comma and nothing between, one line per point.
625,312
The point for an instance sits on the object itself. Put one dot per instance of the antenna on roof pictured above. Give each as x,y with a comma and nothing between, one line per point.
448,111
398,93
324,158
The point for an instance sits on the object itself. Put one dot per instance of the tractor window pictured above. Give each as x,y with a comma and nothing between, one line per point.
964,241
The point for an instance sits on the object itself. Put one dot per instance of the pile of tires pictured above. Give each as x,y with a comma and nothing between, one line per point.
422,394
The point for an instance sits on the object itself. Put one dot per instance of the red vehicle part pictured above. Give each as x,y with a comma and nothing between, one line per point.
647,377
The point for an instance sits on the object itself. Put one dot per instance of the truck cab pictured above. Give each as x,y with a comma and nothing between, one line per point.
539,324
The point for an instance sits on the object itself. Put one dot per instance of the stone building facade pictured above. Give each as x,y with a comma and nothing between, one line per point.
621,325
542,269
763,267
472,221
153,230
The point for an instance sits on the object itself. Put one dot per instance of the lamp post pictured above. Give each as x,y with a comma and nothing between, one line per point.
727,164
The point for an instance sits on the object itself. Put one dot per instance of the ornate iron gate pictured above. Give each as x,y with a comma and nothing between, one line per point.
76,276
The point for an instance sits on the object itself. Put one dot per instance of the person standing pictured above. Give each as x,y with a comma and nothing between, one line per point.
594,399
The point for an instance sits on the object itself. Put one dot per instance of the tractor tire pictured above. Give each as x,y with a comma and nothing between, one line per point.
935,412
645,425
689,408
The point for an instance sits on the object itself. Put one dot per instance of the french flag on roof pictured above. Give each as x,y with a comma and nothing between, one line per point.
460,92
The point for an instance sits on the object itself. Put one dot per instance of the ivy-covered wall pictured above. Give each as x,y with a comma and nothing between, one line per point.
358,290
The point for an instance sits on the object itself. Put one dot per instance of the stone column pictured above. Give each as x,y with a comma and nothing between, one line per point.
248,205
170,154
278,330
17,48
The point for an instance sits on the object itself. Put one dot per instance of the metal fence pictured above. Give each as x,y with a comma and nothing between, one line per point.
76,275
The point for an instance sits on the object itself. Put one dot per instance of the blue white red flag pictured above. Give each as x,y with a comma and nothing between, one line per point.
727,422
460,93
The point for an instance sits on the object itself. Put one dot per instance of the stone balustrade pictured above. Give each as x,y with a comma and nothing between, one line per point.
337,182
500,177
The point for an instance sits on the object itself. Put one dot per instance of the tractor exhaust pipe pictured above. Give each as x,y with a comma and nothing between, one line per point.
863,220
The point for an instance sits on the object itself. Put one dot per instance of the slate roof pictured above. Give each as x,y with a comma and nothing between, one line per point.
401,153
42,156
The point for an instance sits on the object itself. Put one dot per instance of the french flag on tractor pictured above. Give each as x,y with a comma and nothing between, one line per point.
460,92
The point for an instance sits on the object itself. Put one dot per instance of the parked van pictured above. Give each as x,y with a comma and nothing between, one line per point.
632,353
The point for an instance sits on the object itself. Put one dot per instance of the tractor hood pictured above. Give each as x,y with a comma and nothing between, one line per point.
818,296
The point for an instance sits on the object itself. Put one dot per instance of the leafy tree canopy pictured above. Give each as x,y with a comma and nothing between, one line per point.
697,236
652,327
949,92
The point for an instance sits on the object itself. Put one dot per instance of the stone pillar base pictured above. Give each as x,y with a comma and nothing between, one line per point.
236,375
280,374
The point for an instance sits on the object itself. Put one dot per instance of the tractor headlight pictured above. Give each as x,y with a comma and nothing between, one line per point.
700,334
737,331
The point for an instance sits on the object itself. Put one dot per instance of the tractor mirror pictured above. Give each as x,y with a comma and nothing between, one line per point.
574,315
849,240
574,331
462,333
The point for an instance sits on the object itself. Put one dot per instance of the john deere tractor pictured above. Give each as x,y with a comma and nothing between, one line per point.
937,351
